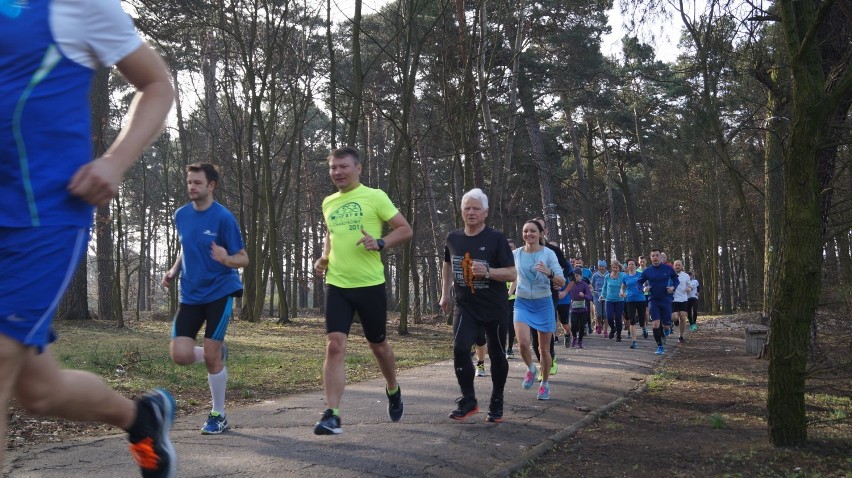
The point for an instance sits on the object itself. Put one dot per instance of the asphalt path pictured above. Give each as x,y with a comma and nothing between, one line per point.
276,439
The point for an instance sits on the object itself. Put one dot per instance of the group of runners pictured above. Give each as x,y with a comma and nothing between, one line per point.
50,186
620,301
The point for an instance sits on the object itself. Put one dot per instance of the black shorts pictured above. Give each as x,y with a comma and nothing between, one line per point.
214,315
678,307
370,303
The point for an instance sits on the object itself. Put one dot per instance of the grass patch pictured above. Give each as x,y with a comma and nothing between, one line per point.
266,359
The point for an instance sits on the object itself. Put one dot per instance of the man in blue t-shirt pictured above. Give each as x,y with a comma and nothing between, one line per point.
211,252
50,182
660,281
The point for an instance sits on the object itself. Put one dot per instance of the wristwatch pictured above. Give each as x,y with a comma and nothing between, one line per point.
381,243
550,276
487,272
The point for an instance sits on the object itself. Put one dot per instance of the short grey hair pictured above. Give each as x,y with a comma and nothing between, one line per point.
477,194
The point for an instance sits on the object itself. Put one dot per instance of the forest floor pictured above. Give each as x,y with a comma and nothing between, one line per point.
703,413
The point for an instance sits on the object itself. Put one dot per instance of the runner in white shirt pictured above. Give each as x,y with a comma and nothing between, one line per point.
680,300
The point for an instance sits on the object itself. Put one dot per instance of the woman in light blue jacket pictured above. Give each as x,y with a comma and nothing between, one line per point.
538,270
614,298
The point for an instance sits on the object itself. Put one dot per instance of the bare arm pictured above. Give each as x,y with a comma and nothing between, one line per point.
321,265
172,273
234,261
446,286
97,182
503,274
401,233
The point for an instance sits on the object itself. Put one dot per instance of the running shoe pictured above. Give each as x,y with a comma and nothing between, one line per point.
693,327
574,342
612,333
467,407
215,425
568,344
660,350
618,338
151,448
598,329
329,424
676,322
529,378
681,339
495,410
510,353
480,370
580,344
634,345
644,333
544,391
666,332
554,367
395,409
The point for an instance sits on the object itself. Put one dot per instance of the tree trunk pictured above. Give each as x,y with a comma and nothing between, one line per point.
103,221
357,78
773,173
591,221
815,99
613,224
543,167
75,303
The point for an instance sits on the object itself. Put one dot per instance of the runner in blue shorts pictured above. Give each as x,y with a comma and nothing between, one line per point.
49,52
659,280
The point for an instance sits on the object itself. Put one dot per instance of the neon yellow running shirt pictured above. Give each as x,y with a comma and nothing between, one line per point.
351,265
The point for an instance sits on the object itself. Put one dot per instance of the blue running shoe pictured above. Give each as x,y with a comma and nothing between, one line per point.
150,445
215,425
329,424
634,345
395,409
660,350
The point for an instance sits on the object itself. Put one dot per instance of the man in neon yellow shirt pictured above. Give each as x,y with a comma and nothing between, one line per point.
355,279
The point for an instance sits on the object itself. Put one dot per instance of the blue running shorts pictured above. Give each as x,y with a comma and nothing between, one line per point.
661,310
37,264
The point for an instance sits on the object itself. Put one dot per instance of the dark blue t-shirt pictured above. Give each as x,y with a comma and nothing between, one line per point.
203,279
659,277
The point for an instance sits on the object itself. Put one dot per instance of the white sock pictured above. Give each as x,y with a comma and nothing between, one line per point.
218,382
198,352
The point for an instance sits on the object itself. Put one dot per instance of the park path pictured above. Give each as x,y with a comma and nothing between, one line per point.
275,438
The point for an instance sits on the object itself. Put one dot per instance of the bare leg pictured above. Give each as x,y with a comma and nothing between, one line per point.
42,388
333,370
386,361
522,334
544,339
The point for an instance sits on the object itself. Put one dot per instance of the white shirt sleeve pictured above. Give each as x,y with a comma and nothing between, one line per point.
93,33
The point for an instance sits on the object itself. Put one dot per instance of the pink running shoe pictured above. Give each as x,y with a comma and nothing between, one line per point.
529,378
